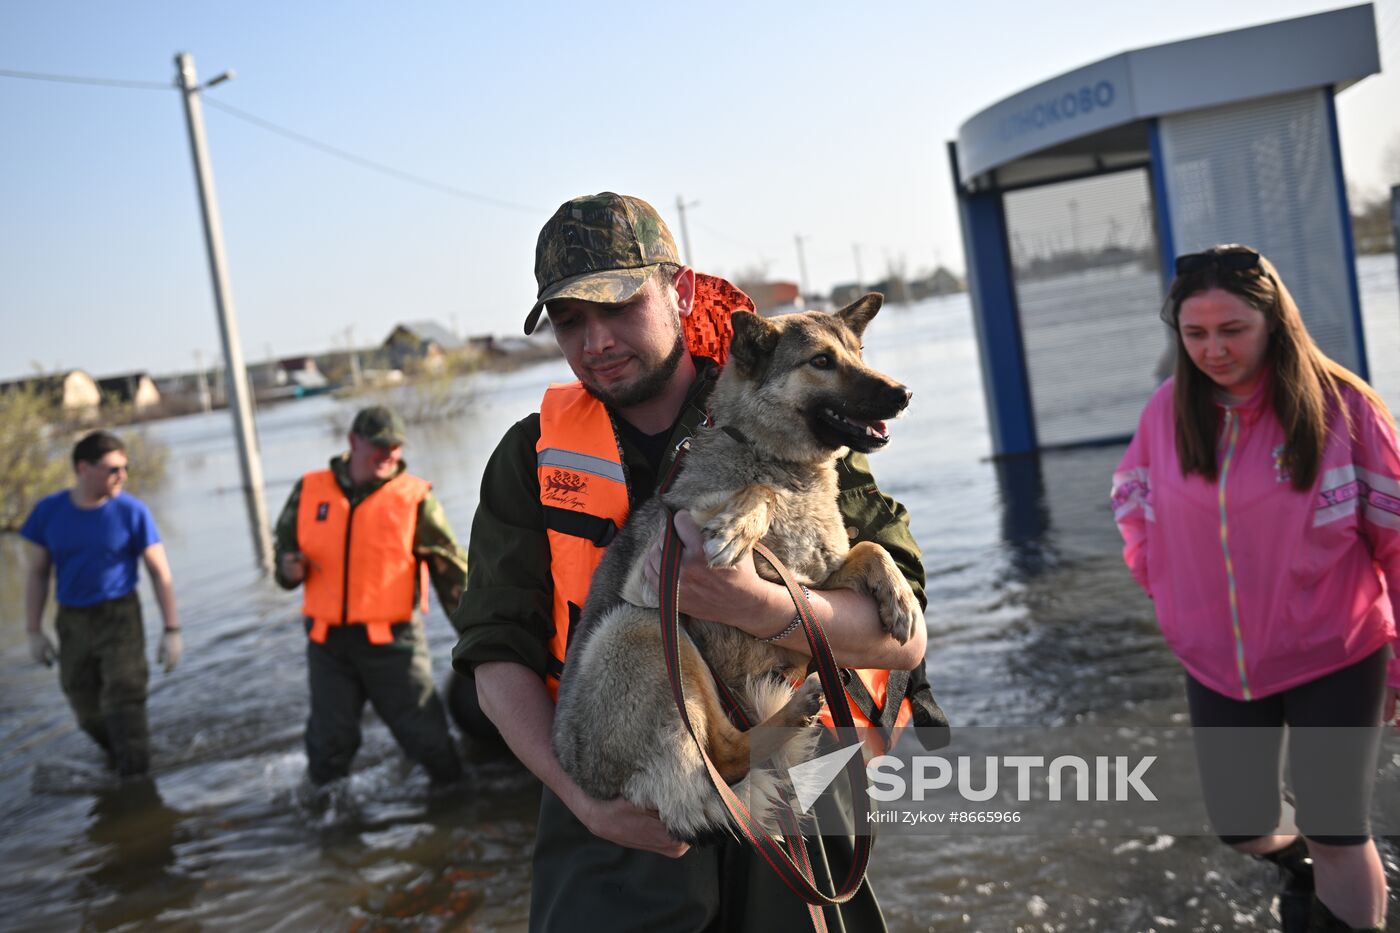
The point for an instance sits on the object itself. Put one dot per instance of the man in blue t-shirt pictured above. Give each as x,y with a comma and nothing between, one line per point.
92,535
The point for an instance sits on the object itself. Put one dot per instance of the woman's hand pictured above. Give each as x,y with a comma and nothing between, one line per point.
1392,697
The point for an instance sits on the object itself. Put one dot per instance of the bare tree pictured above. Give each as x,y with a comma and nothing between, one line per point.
753,273
1390,162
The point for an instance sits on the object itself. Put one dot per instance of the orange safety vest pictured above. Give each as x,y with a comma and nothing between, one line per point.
361,568
583,491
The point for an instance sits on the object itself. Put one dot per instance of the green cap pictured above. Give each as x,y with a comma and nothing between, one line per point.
601,247
379,425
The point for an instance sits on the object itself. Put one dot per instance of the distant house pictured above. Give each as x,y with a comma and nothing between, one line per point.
303,373
772,297
847,292
894,288
294,372
940,281
135,389
181,393
420,345
517,349
73,390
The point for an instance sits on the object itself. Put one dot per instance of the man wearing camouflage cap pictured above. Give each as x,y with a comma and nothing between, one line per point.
363,536
643,334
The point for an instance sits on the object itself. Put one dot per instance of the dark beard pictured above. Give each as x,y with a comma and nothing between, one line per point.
648,386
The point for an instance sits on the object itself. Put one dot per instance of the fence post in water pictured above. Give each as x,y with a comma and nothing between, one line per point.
235,374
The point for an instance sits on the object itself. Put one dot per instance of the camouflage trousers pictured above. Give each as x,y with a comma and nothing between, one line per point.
397,679
102,667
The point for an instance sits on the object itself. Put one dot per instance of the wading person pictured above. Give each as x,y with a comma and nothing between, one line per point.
361,537
628,318
1260,506
92,536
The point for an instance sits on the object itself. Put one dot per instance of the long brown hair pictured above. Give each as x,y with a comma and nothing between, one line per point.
1306,384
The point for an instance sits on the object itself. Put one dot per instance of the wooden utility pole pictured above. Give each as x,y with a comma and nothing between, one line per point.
235,373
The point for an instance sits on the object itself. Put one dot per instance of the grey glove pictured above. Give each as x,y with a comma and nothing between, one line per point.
41,649
172,647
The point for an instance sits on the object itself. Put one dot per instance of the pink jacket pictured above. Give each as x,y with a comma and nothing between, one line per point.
1259,587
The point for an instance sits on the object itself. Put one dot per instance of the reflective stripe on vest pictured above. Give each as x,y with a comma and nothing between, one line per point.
583,491
360,563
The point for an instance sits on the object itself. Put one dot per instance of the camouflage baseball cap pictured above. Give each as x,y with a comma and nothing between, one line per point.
379,425
600,247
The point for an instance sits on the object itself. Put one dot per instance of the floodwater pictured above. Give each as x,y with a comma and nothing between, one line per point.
1033,621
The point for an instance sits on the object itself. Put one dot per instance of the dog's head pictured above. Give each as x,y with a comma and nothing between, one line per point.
798,382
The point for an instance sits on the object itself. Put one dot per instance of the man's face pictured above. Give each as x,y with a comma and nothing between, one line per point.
105,477
624,354
370,461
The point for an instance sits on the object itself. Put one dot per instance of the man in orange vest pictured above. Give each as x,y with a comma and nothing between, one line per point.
363,536
625,313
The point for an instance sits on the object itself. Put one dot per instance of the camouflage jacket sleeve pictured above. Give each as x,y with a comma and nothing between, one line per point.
434,543
285,536
876,517
505,614
873,516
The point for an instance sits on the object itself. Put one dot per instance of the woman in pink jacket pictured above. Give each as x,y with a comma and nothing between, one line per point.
1259,503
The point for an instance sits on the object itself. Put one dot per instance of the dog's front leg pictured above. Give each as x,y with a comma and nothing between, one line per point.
737,523
869,569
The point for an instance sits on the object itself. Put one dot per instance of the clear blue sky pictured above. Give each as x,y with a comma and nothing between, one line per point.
824,119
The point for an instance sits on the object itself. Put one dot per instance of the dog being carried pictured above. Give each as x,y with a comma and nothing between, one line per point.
793,398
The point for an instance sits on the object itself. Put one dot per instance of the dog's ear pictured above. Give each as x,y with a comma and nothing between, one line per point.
754,341
857,314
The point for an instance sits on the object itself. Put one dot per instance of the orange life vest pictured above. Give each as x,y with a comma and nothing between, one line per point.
360,563
583,490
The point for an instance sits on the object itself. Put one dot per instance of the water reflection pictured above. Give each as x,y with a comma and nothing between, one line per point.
131,878
1025,515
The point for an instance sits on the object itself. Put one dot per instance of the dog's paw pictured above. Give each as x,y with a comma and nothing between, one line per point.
738,525
724,549
808,700
899,608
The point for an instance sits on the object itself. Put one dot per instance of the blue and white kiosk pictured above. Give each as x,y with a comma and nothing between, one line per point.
1075,196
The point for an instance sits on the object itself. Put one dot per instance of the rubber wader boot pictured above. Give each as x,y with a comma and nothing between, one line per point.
126,728
1295,895
97,731
1324,921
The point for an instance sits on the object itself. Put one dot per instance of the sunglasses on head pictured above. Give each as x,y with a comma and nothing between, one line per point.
1235,259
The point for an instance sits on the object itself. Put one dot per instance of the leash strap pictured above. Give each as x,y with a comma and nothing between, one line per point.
795,871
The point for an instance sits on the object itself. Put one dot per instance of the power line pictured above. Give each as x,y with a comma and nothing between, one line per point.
370,163
75,79
302,138
1386,21
724,236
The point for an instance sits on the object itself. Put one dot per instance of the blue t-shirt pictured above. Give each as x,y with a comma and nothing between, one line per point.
93,550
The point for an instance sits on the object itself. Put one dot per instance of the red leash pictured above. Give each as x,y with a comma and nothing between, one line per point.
791,864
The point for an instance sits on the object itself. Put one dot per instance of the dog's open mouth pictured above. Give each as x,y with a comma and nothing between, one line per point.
865,436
